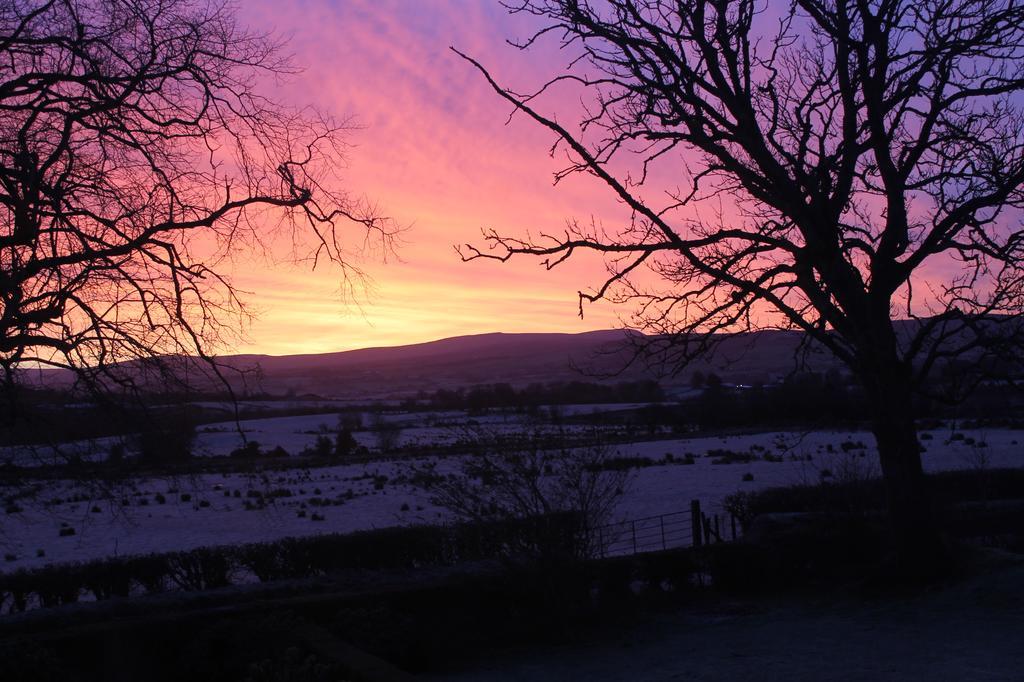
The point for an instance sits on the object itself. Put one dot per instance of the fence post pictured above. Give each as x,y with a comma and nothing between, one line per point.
662,519
633,524
695,524
732,520
718,530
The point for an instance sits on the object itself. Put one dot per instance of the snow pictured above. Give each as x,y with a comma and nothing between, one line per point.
104,526
296,433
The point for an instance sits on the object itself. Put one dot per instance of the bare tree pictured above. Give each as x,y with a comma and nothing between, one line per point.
825,165
137,152
534,477
387,431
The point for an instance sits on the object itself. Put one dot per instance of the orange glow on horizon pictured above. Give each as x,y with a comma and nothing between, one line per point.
434,152
437,152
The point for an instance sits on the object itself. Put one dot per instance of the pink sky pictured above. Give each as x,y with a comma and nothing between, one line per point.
435,151
436,154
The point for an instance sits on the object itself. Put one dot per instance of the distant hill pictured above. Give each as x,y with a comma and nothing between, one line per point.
518,359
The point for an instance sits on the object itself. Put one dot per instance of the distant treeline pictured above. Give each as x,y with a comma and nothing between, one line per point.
810,399
37,421
831,398
503,395
807,397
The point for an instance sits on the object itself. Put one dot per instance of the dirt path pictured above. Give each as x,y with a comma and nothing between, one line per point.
973,630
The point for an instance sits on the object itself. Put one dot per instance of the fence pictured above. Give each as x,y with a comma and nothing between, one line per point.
691,528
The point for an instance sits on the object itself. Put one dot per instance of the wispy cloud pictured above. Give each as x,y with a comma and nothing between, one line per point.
436,153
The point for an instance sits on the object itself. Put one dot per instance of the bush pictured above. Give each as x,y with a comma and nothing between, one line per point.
724,456
275,561
322,447
56,585
248,451
509,484
165,436
388,433
278,452
200,569
345,443
107,578
834,495
149,572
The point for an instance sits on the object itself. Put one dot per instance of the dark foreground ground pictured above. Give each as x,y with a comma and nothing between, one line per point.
969,629
785,609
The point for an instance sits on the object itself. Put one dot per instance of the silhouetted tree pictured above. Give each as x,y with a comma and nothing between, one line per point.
534,477
136,153
388,432
345,443
166,436
825,166
323,446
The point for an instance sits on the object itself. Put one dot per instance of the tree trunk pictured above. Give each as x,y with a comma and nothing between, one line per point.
911,513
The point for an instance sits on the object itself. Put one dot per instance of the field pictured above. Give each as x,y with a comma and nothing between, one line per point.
51,520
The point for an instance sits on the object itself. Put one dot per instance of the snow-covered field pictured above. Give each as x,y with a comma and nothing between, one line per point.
66,521
436,427
296,433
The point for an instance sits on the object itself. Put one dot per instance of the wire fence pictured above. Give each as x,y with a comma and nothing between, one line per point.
666,531
647,534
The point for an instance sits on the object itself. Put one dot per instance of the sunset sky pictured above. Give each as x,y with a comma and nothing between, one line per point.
436,154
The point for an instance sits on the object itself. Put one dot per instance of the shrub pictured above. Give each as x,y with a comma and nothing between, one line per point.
345,443
56,585
107,578
322,447
116,454
165,436
278,452
291,558
530,480
249,450
270,561
620,463
149,572
200,569
838,494
724,456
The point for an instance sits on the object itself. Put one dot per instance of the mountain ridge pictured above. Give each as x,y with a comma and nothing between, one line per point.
518,358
